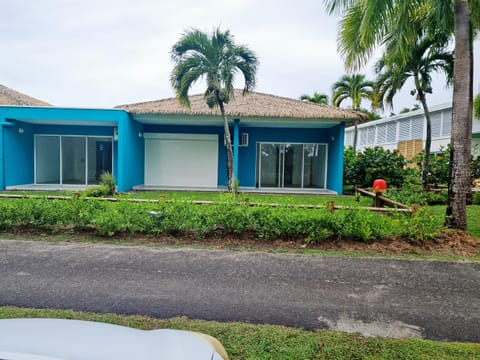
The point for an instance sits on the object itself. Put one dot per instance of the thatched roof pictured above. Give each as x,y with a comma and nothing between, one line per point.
12,97
252,104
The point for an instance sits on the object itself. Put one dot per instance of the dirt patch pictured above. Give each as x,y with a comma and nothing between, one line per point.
457,243
450,242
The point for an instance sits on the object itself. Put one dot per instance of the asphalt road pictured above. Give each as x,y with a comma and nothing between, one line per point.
379,297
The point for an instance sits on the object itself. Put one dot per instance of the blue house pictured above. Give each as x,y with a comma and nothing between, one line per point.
280,144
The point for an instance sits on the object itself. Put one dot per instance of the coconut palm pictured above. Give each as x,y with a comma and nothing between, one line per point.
316,98
367,24
427,56
355,88
217,58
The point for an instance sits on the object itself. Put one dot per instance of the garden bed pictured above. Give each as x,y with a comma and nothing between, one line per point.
449,244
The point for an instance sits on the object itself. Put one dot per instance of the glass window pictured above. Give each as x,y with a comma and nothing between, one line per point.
270,165
47,160
293,158
291,165
99,158
315,156
73,160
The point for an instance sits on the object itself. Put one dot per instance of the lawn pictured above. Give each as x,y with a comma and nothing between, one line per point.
246,341
283,199
473,216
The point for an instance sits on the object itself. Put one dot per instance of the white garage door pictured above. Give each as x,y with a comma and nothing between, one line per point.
181,160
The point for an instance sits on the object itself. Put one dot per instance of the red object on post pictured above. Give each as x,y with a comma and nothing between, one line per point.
379,185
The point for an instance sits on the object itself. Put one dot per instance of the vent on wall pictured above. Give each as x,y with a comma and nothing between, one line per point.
243,140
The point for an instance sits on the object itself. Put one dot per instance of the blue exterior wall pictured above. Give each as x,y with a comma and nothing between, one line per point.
129,150
248,155
73,130
335,158
19,164
131,153
17,149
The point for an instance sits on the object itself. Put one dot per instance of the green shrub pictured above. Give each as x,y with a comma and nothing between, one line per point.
363,168
106,187
476,198
438,166
420,227
411,194
225,218
108,182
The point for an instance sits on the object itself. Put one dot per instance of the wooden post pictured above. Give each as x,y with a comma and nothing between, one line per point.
415,208
378,200
331,206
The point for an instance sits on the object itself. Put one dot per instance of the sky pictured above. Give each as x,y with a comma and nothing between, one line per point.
102,53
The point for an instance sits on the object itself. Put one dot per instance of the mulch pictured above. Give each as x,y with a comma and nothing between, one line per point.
450,242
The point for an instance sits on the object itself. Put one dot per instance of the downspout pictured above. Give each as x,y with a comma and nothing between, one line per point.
3,124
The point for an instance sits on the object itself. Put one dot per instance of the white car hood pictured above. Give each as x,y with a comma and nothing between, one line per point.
56,339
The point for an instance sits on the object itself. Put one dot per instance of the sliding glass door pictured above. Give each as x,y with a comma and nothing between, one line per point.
72,160
285,165
47,160
99,158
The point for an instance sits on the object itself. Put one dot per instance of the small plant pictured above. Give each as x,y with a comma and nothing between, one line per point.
108,182
107,187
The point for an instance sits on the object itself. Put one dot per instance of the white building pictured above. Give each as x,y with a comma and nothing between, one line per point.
406,132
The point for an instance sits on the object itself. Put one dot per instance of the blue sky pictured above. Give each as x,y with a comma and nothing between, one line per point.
108,52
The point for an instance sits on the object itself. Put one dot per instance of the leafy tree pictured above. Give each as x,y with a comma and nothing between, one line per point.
363,168
355,88
217,58
316,98
372,114
428,55
367,24
438,170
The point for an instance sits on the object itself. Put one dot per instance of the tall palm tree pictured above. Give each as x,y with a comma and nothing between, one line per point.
367,24
355,88
427,56
316,98
216,58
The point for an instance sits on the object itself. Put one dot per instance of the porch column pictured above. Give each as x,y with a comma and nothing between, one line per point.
3,123
236,123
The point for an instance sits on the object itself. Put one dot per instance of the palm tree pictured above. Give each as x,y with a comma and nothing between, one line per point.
316,98
367,24
216,58
356,88
427,56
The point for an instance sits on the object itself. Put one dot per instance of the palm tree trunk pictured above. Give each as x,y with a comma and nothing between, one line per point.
459,182
228,142
428,136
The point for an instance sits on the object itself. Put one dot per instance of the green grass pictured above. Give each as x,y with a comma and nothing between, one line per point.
283,199
260,198
246,341
473,216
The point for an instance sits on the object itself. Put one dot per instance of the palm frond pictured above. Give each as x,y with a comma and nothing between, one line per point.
215,57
